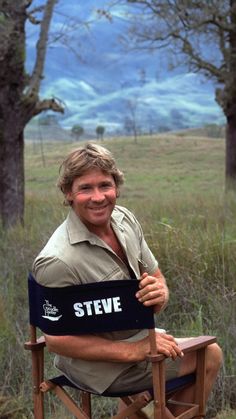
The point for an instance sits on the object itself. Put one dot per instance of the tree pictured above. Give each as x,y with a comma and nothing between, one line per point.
128,125
77,131
131,120
19,98
100,131
202,35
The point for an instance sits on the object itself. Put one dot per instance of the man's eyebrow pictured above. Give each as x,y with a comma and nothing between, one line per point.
106,181
83,185
90,185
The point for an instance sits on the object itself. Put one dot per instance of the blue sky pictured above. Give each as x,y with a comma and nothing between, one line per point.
98,85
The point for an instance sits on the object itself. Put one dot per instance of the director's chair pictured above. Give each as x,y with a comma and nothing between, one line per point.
104,307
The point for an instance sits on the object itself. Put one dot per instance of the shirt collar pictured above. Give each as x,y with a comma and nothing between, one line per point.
78,232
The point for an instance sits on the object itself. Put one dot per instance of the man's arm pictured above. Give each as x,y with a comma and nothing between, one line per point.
153,290
96,348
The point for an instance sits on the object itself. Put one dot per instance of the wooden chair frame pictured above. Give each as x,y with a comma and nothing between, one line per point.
162,399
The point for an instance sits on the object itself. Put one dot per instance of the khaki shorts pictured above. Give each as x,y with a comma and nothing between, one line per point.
139,376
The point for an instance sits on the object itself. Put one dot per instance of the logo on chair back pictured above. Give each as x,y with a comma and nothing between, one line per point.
50,312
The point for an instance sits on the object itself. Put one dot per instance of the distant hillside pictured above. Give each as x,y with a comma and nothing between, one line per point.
103,83
46,129
209,130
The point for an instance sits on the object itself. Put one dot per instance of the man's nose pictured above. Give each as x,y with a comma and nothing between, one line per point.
97,195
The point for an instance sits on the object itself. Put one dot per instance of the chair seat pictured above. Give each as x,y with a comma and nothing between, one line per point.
171,386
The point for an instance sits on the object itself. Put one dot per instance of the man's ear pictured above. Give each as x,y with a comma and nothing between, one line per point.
69,197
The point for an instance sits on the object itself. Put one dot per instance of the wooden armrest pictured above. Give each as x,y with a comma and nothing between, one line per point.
35,346
193,344
188,345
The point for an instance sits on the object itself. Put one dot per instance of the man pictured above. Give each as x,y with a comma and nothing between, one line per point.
100,241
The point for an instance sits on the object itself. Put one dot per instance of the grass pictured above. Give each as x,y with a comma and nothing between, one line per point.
175,186
227,415
158,160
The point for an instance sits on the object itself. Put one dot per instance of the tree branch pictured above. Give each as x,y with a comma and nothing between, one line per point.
48,104
28,3
199,63
184,26
34,85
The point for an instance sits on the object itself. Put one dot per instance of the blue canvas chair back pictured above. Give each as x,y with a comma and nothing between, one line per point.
96,308
88,308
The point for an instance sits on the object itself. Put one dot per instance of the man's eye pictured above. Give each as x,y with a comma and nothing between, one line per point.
106,186
84,189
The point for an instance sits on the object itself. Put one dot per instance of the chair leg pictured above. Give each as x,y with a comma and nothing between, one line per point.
69,403
131,406
201,381
158,377
86,403
195,409
37,376
158,373
66,399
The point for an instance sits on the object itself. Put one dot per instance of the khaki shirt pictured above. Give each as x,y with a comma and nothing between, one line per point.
74,255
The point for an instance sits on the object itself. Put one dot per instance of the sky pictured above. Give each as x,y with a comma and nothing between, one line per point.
100,80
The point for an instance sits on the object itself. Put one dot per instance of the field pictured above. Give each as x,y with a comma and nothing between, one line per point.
175,186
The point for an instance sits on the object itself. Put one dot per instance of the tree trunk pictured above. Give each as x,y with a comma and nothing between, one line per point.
230,108
12,177
12,109
230,163
19,101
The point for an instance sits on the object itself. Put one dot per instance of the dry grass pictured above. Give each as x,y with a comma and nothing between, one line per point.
175,186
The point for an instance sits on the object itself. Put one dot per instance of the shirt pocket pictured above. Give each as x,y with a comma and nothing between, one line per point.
115,273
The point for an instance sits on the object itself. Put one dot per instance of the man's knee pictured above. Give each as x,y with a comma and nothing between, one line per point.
214,357
188,364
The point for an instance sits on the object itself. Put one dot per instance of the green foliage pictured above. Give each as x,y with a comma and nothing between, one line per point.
77,131
100,129
3,20
228,414
214,130
175,186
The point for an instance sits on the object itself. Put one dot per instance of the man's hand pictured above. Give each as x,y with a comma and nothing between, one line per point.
166,345
153,290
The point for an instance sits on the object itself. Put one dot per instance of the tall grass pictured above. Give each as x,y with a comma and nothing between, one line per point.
175,186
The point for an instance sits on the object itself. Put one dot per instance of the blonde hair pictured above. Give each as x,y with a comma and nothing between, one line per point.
83,159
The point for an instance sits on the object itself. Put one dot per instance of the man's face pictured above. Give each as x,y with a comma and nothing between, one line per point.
93,196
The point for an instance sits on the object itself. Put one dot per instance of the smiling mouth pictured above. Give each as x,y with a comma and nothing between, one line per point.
98,208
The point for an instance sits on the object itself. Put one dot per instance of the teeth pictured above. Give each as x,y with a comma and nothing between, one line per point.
97,209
